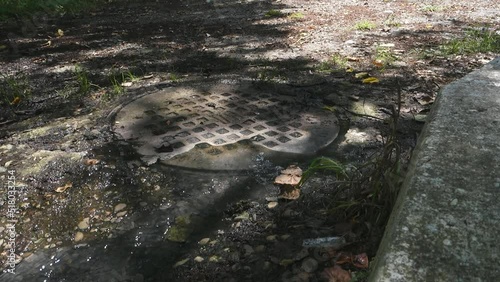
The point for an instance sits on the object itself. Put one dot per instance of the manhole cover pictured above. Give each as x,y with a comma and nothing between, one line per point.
171,122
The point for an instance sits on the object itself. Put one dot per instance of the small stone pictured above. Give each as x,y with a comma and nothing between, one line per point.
120,207
260,248
84,224
143,204
122,213
78,236
284,237
248,249
199,259
243,216
7,164
204,241
454,202
213,258
271,199
266,265
309,265
271,238
181,262
272,205
289,213
213,242
1,242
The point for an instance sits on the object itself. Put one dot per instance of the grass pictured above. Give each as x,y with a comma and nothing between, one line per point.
296,16
83,81
385,56
27,8
336,62
274,14
14,89
432,8
366,193
364,25
474,41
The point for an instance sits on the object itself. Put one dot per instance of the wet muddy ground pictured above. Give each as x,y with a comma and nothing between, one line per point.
88,208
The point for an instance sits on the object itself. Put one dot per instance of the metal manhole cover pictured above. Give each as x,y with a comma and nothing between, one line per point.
171,122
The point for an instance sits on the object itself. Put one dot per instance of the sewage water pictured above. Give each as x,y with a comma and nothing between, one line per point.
140,252
230,153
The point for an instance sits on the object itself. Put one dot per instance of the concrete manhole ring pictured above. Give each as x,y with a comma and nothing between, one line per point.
173,121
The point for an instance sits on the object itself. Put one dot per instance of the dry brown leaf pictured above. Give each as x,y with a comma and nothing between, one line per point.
287,179
361,261
90,162
289,192
292,170
337,274
64,188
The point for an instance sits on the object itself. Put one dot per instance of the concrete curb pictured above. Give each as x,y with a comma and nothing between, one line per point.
446,222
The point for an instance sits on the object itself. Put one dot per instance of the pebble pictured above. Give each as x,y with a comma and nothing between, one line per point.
204,241
309,265
199,259
122,213
213,258
78,236
84,224
271,238
272,205
260,248
248,249
284,237
7,164
120,207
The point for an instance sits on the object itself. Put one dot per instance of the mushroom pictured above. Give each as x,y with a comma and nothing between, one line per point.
288,182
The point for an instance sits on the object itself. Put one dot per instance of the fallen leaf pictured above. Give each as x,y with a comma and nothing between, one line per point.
360,261
420,118
181,262
337,274
15,101
286,262
90,162
370,80
361,75
60,32
378,63
64,188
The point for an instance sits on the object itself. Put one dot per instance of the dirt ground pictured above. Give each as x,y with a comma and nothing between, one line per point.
61,77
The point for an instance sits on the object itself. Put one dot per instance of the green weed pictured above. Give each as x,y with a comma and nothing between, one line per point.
336,62
14,89
474,41
385,56
83,81
432,8
364,25
174,77
274,14
27,8
296,16
391,21
367,192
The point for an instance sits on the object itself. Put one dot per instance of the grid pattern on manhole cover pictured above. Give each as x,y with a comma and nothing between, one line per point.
169,124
